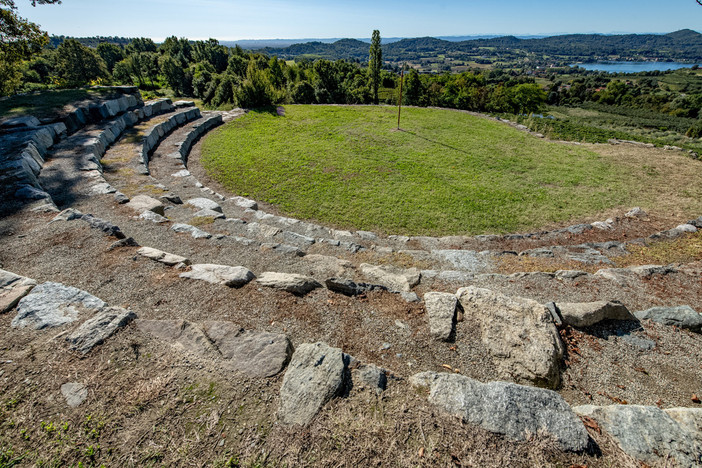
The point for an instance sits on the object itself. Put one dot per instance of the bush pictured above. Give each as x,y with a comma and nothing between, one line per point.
695,131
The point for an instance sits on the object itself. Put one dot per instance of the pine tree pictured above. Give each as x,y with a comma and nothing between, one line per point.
375,62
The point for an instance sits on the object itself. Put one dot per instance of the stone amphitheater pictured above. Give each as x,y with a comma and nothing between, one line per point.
201,328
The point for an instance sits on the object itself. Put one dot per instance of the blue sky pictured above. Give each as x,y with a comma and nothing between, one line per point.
269,19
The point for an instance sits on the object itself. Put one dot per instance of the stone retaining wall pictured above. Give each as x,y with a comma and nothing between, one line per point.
158,132
197,131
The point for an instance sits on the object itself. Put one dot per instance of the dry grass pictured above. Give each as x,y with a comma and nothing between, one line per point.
685,249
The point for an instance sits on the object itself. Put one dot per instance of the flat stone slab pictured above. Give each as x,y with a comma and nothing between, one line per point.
209,214
681,316
518,333
74,393
294,283
585,314
467,260
204,204
97,329
13,288
650,434
141,203
163,257
179,333
52,305
351,288
192,230
245,203
315,375
441,313
395,279
232,276
258,354
516,411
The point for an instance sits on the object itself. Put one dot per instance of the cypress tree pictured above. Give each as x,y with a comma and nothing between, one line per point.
375,62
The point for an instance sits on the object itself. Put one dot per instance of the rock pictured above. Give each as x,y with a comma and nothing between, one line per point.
519,334
105,226
441,312
192,230
258,354
410,296
467,260
184,335
27,192
299,239
74,393
102,188
13,288
128,242
393,278
245,203
67,215
153,217
367,235
52,305
369,376
647,433
209,214
121,198
233,277
324,265
282,249
97,329
204,204
21,121
170,197
681,316
163,257
570,274
638,341
350,288
315,375
516,411
686,228
636,213
296,284
141,203
585,314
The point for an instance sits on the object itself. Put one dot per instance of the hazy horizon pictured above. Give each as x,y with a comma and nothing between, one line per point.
246,20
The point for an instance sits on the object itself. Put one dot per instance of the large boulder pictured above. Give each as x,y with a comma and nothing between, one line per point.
51,305
258,354
585,314
315,376
681,316
231,276
293,283
393,278
13,288
519,334
441,312
97,329
648,433
516,411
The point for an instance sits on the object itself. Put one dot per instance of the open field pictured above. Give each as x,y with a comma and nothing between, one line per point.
446,172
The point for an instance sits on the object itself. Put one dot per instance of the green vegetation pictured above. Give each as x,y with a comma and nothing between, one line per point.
444,173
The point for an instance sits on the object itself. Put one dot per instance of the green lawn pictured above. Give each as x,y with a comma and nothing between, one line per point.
446,172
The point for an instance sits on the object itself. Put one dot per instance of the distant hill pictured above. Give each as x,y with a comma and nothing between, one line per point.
684,45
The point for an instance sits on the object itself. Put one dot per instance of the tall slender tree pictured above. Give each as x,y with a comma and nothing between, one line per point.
375,62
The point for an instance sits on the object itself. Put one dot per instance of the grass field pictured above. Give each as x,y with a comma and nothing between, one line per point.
446,172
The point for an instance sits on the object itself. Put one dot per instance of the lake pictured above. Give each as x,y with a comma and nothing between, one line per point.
632,67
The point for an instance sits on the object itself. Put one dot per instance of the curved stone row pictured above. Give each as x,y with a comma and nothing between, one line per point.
156,133
198,130
25,142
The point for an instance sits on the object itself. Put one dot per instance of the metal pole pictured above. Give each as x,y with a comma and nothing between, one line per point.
399,103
